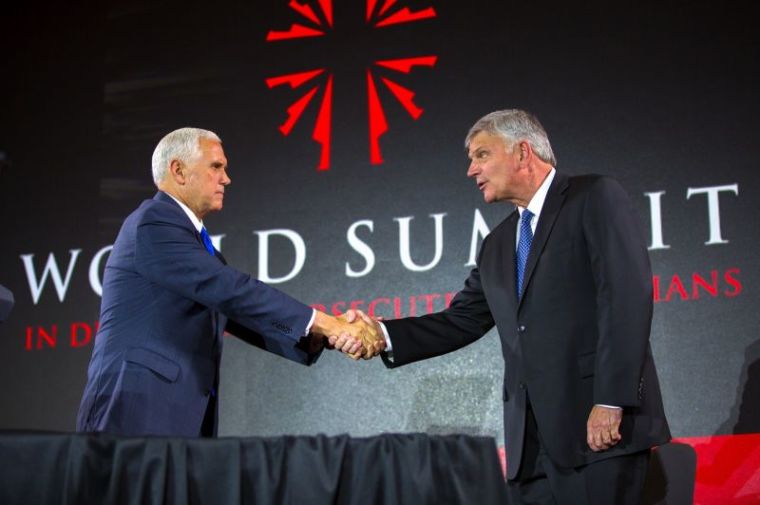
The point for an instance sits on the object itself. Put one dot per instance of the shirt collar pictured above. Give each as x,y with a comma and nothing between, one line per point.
193,218
537,202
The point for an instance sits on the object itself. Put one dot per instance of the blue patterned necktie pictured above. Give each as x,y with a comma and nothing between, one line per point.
523,248
207,241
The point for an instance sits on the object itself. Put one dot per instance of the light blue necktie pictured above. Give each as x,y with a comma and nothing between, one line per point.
207,241
523,248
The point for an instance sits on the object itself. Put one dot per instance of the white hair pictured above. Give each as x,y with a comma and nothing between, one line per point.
183,144
515,125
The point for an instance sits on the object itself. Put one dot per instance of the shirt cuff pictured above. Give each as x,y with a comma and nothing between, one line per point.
388,344
608,406
311,321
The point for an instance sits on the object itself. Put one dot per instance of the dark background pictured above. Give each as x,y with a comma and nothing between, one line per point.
660,95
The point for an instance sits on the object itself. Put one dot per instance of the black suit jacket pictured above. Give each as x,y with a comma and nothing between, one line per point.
579,335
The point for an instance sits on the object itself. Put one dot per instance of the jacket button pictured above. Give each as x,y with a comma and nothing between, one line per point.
521,329
521,385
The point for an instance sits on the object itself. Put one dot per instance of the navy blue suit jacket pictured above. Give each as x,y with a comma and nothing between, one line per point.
166,303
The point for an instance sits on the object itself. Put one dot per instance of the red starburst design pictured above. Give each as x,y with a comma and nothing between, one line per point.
379,14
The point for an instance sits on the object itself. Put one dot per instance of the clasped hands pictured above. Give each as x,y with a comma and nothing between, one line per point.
353,333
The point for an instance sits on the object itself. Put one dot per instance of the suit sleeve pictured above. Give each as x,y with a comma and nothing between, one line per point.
466,320
623,279
169,254
301,352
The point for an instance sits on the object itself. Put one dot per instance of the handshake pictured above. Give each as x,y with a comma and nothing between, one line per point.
353,333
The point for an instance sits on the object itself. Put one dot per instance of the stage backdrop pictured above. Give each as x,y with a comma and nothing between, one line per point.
343,122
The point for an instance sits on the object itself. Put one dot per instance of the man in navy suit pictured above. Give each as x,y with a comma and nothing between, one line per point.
566,280
168,297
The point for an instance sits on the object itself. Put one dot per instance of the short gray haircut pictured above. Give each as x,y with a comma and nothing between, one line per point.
515,125
183,144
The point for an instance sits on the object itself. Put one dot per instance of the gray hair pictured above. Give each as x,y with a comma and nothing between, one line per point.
515,125
183,144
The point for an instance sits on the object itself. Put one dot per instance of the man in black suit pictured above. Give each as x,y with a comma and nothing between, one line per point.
566,279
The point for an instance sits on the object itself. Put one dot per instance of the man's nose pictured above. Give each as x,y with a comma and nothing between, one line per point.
473,169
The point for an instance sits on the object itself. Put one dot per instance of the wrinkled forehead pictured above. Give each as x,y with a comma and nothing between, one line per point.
213,150
484,140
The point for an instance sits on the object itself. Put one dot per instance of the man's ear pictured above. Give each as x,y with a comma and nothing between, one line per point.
525,150
177,171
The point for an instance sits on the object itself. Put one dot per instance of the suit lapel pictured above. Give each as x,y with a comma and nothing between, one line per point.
219,255
163,197
552,205
497,265
507,258
218,321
